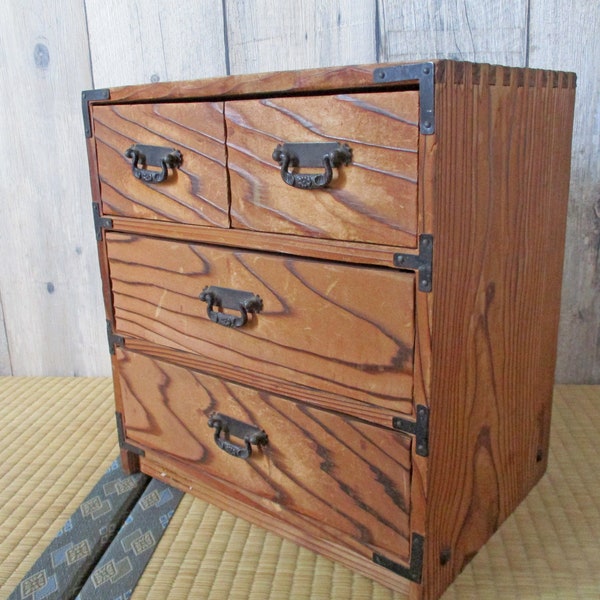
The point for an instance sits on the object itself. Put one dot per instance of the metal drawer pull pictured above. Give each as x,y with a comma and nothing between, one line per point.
229,426
155,156
312,154
245,302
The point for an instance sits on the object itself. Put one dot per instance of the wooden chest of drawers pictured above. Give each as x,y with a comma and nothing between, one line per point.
332,298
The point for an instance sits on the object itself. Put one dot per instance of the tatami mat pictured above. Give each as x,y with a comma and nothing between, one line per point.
57,437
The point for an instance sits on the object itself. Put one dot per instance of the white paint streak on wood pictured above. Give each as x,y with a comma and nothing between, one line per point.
49,272
276,36
140,41
565,36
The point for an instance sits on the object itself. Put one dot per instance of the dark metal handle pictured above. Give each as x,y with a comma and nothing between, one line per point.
230,426
244,302
328,155
155,156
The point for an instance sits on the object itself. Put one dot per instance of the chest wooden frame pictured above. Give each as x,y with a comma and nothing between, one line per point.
491,181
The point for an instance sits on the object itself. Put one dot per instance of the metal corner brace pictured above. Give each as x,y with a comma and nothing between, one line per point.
100,222
418,428
87,97
422,262
113,338
424,74
415,570
123,444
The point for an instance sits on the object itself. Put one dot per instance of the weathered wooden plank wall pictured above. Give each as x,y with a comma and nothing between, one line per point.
48,272
52,49
565,35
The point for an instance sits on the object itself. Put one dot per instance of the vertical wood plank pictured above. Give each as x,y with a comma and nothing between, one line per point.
49,273
566,37
503,148
145,41
273,36
5,366
471,30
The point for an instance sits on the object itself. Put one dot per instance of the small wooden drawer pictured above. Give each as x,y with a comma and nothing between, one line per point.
349,478
372,199
345,330
195,192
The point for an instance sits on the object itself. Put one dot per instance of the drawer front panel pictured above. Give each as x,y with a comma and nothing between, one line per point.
374,199
194,193
340,328
349,476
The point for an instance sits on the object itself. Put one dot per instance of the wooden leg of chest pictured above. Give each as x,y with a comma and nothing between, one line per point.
130,461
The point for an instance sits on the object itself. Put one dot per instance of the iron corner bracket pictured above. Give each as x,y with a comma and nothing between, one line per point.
418,428
422,262
113,338
100,222
414,571
89,96
424,74
121,436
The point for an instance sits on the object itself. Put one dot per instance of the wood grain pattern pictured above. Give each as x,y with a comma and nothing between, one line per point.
274,384
351,478
320,326
499,208
569,40
268,36
336,250
143,41
196,193
481,31
381,130
5,366
297,529
49,279
277,83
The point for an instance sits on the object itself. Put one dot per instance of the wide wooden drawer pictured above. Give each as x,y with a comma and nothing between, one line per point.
195,192
341,329
346,476
373,199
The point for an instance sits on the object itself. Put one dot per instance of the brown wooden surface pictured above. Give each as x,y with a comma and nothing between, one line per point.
339,251
251,85
499,208
350,478
373,199
195,193
321,326
360,340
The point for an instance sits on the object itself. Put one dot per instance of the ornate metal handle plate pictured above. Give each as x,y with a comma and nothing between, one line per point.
229,426
328,155
155,156
244,302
